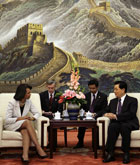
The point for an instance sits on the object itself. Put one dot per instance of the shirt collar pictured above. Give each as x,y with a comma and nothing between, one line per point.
52,94
122,99
94,94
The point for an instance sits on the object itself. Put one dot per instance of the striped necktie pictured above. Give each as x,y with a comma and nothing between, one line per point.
92,104
119,106
50,102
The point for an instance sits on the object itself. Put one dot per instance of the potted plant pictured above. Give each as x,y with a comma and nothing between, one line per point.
73,97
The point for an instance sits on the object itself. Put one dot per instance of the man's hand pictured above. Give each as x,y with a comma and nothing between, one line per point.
94,114
110,115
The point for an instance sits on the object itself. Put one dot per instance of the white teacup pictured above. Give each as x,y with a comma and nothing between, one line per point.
88,115
65,113
81,112
57,115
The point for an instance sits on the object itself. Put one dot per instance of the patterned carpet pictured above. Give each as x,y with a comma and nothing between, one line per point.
68,155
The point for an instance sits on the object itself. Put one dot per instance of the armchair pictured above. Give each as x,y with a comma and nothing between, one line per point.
135,135
11,139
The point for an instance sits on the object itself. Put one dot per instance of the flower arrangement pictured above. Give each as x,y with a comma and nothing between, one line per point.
74,94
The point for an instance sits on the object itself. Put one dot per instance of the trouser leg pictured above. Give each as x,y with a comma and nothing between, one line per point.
113,133
81,134
126,133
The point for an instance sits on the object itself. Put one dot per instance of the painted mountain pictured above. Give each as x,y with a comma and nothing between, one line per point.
110,39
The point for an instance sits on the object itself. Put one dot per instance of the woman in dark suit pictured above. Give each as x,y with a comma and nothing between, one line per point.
17,120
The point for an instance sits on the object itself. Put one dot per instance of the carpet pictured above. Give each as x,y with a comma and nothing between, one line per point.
68,155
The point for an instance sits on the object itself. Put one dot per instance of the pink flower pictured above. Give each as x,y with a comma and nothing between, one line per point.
75,87
82,95
78,96
67,93
73,94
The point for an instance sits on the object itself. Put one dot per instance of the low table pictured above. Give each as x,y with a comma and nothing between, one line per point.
72,123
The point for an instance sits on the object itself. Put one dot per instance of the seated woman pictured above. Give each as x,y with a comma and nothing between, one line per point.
17,120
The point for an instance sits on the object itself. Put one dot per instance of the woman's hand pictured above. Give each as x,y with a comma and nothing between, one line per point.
31,118
23,118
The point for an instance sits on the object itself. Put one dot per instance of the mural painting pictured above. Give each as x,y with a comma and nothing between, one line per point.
40,40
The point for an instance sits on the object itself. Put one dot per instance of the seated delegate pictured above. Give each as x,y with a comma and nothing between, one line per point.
96,104
17,120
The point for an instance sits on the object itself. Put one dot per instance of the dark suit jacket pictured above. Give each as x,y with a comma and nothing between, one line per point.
128,112
44,97
100,103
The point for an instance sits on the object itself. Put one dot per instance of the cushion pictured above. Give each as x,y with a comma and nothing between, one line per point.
12,135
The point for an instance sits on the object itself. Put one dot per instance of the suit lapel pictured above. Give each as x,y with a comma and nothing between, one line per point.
89,99
54,97
17,108
125,103
97,98
115,105
47,98
25,108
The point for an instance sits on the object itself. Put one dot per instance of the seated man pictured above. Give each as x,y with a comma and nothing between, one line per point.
96,104
49,102
122,113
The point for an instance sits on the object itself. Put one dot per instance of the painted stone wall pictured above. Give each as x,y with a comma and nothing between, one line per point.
39,40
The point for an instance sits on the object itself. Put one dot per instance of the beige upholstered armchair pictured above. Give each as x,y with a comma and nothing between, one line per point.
10,139
135,135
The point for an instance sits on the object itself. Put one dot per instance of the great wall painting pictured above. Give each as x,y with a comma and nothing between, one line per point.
40,39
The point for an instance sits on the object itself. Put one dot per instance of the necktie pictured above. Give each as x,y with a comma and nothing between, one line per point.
119,106
50,102
92,104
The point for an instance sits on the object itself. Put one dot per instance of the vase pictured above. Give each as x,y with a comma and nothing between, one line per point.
73,111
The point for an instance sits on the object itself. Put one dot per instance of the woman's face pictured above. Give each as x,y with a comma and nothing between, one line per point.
28,93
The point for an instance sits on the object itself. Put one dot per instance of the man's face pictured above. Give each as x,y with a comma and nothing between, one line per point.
51,88
93,88
28,93
118,91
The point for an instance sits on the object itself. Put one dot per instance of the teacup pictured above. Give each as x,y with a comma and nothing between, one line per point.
65,113
81,112
88,115
57,115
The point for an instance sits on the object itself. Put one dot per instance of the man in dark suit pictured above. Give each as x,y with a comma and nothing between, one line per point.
49,102
96,104
50,105
122,113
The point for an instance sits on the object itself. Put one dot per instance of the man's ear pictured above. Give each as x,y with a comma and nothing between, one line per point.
124,90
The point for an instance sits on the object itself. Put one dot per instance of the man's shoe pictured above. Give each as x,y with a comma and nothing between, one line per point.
109,158
126,158
78,145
